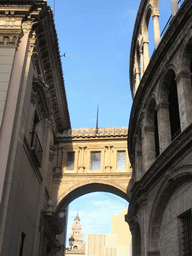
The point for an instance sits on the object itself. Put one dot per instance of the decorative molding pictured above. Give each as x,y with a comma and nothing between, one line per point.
52,150
32,41
9,40
183,74
39,98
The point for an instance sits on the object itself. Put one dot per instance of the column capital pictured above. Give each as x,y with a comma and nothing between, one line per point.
155,13
183,74
149,128
164,105
145,40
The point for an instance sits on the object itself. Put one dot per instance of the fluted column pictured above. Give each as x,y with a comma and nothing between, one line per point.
137,78
145,52
155,17
141,61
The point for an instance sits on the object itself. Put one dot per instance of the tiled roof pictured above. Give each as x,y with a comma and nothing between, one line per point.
93,132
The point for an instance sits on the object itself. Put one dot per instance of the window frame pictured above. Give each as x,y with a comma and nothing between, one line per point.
68,168
92,163
121,151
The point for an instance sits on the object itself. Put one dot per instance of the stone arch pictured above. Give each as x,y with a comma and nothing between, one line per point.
168,107
137,65
88,187
184,82
168,186
145,40
151,138
186,53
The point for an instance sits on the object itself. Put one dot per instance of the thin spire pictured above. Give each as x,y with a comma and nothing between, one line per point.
97,119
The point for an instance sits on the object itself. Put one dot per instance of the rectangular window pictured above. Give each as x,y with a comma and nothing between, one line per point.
186,232
95,160
70,160
121,160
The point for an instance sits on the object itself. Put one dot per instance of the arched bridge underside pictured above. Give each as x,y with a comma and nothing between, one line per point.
72,187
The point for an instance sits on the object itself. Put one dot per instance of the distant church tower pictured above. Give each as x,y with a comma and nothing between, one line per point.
76,232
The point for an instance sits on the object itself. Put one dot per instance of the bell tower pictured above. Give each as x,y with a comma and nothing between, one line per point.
76,232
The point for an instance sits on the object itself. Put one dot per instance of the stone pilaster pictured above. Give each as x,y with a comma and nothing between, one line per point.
164,128
108,166
184,91
81,166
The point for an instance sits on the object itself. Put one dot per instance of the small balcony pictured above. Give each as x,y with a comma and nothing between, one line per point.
36,148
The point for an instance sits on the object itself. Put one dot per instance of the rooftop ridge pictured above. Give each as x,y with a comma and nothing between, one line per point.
92,132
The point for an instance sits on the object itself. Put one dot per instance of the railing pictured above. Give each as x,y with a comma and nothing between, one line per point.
180,2
166,26
36,148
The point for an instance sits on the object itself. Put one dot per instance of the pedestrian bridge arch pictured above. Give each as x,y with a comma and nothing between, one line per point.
88,187
89,160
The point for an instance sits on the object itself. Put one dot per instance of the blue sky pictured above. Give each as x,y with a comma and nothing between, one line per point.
96,37
95,211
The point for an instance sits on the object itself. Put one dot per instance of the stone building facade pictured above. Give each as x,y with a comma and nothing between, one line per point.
88,161
160,133
33,108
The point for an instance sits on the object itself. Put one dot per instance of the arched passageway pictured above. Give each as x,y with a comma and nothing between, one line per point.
88,188
96,214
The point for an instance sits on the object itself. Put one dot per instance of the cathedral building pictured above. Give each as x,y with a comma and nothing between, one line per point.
160,133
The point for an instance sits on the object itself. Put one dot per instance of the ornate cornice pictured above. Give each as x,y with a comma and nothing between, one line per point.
20,17
11,27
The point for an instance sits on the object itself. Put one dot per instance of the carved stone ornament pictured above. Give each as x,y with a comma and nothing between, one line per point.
40,99
9,40
51,152
32,41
